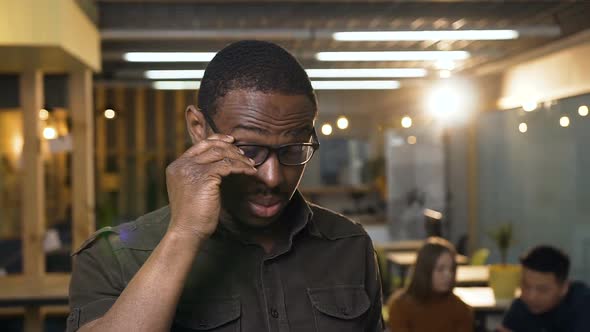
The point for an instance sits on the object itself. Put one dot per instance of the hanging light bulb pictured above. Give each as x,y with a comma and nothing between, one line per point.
529,106
564,121
109,113
43,114
444,73
342,123
327,129
49,133
406,122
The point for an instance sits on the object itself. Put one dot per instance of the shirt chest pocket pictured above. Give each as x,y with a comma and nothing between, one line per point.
209,314
339,308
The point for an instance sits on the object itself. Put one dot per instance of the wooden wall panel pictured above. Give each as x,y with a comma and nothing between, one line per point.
34,219
83,194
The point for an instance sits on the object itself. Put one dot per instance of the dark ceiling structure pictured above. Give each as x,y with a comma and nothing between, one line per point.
306,27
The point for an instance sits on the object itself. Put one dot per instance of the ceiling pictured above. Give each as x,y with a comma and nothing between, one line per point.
305,27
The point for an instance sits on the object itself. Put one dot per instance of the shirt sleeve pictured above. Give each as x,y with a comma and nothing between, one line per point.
398,318
373,286
582,320
515,316
96,283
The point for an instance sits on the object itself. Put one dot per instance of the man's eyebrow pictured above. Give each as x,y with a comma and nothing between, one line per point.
300,131
258,130
293,132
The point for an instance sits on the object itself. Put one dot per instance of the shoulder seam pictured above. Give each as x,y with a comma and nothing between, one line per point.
93,237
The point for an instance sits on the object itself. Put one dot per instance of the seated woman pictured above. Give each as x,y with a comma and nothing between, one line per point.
428,304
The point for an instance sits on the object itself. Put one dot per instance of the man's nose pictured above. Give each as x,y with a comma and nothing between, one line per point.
270,172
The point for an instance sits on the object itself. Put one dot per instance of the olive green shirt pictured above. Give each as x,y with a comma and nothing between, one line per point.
320,276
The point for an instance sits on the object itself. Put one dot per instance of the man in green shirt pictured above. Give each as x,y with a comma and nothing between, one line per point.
238,248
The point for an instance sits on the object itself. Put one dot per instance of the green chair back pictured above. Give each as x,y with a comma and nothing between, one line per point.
480,256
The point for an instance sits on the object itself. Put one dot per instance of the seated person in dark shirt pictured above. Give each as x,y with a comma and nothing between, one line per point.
549,302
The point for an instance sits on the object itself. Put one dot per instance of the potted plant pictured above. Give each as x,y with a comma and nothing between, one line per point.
504,277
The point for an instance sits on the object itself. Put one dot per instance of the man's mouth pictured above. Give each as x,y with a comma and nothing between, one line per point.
265,207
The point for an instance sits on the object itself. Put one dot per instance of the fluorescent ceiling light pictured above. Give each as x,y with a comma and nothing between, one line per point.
355,85
367,72
176,85
174,74
393,56
445,64
426,35
313,73
168,56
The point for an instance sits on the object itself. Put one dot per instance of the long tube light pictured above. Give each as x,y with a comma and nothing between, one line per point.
174,74
426,35
366,72
355,85
176,85
168,56
393,56
318,85
313,73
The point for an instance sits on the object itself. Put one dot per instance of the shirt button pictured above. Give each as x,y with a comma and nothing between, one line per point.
274,313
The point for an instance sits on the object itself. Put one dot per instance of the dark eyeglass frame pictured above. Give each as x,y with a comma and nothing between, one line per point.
315,144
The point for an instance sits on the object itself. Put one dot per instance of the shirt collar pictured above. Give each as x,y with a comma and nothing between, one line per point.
297,216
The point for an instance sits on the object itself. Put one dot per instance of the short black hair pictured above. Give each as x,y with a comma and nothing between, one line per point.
547,259
256,66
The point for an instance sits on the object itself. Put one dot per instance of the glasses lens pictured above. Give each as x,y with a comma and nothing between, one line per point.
295,154
256,153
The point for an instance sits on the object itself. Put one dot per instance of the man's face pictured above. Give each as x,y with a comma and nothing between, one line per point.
541,291
270,119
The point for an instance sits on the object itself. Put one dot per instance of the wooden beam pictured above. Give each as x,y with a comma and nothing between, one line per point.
83,209
22,287
140,143
121,148
101,133
472,186
160,144
179,109
60,198
33,319
50,310
33,209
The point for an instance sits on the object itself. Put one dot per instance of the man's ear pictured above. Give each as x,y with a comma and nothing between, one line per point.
195,124
565,288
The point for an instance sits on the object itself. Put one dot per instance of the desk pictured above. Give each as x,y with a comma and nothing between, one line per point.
472,275
405,259
483,302
404,245
408,258
482,299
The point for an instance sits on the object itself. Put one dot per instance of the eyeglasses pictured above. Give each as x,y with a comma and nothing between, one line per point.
292,154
